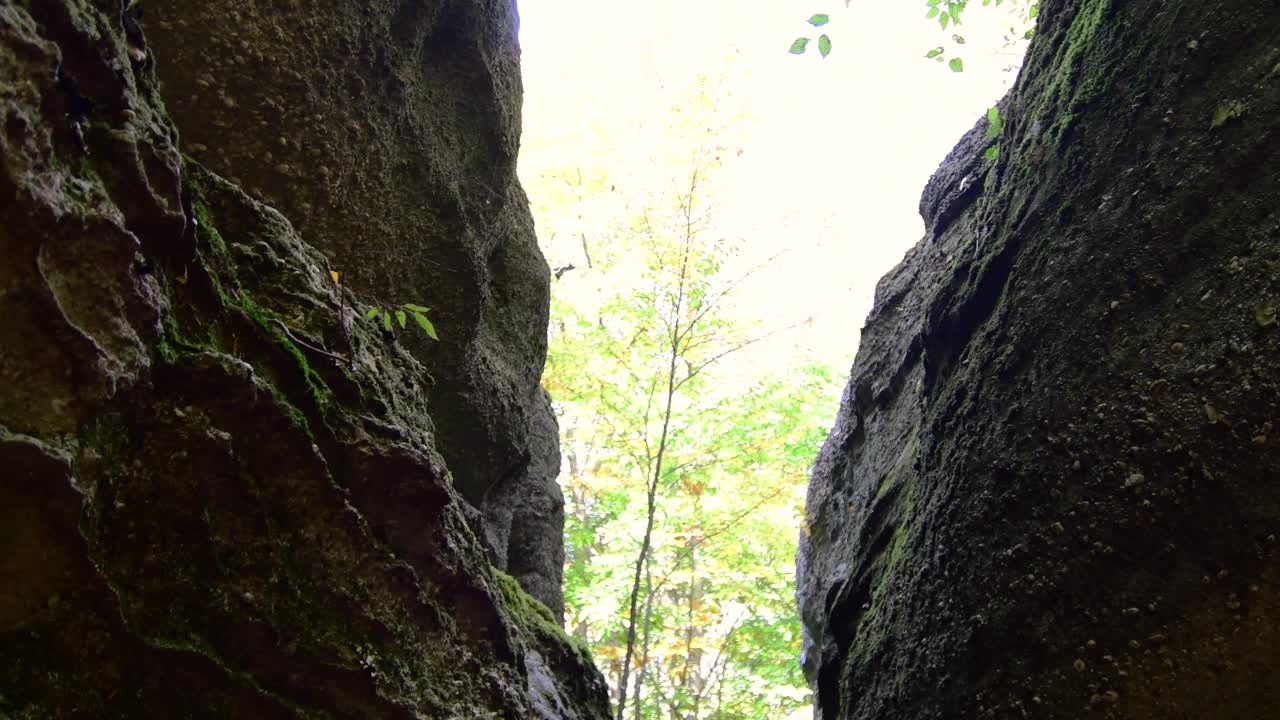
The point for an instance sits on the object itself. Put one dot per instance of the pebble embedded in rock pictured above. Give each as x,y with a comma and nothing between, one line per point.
1212,413
1265,315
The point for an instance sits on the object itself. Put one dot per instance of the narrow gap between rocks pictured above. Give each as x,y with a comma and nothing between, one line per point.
716,211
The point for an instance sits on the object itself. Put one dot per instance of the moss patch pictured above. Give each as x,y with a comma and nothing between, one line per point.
532,615
269,323
1083,77
175,339
206,230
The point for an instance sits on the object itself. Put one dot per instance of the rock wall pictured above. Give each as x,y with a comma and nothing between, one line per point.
225,494
387,132
1053,488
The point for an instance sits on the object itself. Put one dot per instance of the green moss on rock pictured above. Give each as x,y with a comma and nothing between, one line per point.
269,322
532,615
207,230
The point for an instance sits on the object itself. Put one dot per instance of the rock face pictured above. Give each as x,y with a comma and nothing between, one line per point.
1053,489
224,493
387,132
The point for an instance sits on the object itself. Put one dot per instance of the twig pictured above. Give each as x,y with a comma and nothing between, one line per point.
693,545
307,345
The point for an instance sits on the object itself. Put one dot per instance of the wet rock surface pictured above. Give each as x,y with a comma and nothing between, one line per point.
224,493
1053,488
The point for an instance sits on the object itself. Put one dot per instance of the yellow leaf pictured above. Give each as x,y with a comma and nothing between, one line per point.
337,277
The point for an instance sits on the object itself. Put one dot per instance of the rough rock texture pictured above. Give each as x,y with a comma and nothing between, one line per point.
1053,489
220,489
387,132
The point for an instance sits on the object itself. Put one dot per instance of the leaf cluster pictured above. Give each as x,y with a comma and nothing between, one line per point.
401,315
948,14
801,44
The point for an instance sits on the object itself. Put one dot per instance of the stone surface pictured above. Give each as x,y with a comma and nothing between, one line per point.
387,132
222,491
1051,491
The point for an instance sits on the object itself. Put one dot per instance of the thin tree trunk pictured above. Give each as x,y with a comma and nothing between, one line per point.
720,693
677,336
720,655
693,680
644,643
652,508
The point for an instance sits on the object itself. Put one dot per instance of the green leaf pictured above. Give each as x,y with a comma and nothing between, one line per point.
957,65
402,318
933,13
995,125
935,52
1033,11
824,45
416,308
426,325
933,3
798,47
386,321
992,152
945,19
373,313
819,19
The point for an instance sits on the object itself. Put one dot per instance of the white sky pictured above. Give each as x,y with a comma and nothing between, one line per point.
835,151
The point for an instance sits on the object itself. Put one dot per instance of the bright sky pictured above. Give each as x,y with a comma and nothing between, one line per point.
835,151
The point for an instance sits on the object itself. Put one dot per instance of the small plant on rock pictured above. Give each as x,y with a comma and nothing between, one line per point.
401,316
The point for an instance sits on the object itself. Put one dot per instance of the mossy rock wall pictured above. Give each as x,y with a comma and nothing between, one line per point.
222,492
387,132
1052,488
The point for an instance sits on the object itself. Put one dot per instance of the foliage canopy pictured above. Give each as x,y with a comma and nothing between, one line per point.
684,470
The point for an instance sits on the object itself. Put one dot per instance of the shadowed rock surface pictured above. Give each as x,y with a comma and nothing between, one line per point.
387,132
225,494
1053,488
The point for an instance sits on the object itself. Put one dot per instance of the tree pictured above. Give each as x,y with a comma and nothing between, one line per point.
684,474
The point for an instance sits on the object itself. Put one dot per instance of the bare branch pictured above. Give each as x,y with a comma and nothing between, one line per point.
712,303
723,528
735,348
